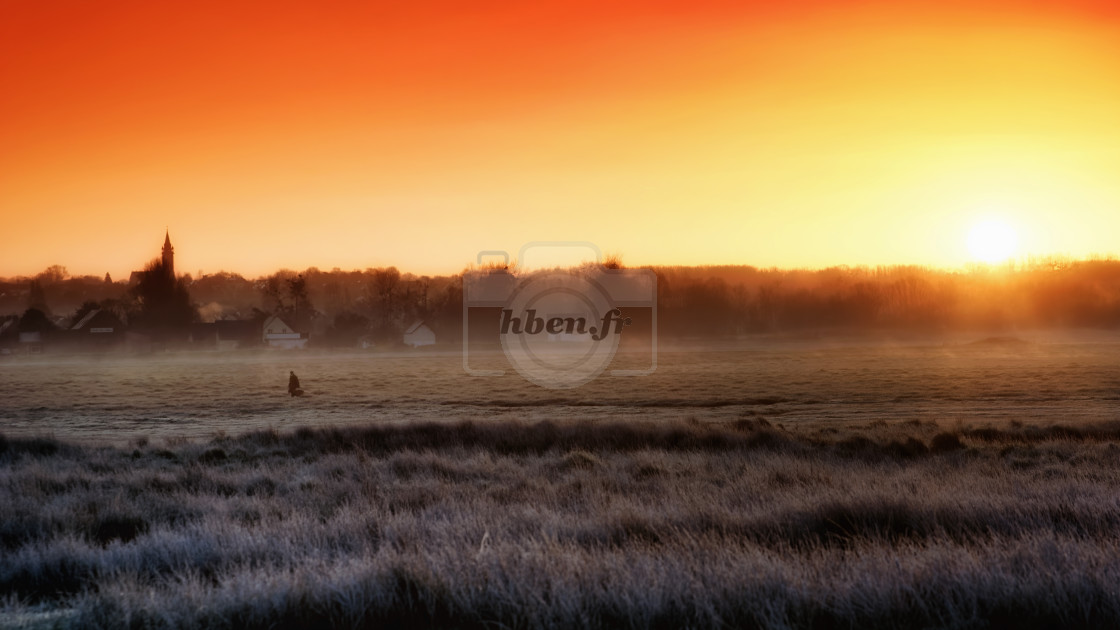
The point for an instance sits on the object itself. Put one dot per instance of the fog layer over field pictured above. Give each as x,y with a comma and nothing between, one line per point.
197,394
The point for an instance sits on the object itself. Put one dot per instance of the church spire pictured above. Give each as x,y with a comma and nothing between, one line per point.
168,255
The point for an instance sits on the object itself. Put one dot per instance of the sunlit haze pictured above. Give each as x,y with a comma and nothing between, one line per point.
354,135
992,241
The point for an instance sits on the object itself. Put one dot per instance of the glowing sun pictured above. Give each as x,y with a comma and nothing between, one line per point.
991,241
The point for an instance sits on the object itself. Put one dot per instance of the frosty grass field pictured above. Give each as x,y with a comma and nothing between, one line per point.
948,483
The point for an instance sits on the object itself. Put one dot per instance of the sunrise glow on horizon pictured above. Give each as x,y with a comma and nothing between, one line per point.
290,135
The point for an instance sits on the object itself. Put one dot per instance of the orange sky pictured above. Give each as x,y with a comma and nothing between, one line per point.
280,134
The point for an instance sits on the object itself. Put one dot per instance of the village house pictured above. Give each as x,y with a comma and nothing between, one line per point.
275,333
98,328
419,334
226,334
9,335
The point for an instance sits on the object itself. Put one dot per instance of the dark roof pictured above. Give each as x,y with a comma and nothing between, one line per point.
83,322
416,326
98,318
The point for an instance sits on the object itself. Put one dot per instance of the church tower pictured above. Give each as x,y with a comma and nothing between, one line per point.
168,255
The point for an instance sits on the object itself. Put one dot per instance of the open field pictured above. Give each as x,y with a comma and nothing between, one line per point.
115,399
796,485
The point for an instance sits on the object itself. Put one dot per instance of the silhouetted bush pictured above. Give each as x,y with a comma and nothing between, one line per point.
212,456
945,442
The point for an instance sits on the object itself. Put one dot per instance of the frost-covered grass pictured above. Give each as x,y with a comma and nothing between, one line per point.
601,525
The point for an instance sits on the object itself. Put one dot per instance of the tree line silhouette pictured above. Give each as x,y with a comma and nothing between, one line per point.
342,308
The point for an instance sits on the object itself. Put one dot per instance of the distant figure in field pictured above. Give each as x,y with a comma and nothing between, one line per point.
293,384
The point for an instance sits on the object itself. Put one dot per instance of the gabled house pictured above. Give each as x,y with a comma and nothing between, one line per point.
31,342
98,328
419,334
225,334
275,333
9,335
236,333
98,322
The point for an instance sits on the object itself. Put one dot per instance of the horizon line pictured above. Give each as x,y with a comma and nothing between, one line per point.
1018,263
